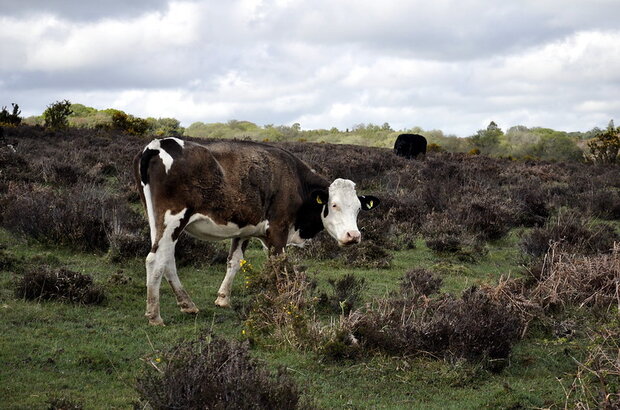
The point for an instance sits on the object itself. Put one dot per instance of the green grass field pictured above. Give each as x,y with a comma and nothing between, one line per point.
93,354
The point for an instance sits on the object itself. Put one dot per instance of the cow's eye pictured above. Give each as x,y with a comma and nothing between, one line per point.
334,206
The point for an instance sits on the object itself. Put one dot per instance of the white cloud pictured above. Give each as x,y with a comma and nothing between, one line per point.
443,64
46,43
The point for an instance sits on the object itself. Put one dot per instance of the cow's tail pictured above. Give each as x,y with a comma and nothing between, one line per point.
141,172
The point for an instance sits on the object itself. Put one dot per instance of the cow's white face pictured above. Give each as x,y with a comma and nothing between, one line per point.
339,214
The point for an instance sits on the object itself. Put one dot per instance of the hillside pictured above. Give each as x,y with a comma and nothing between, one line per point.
480,282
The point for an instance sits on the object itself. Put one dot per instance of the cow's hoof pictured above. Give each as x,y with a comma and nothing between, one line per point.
156,322
222,301
191,310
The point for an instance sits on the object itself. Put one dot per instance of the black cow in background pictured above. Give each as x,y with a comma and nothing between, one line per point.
410,145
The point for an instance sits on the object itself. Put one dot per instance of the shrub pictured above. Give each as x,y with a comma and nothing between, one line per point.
420,281
59,284
565,279
80,216
532,205
370,253
573,232
194,252
10,118
129,124
597,380
280,302
605,147
485,215
367,255
602,203
479,325
432,147
56,114
14,167
346,294
214,374
63,403
127,245
442,233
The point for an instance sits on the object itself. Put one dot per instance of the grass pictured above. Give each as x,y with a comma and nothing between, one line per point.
92,354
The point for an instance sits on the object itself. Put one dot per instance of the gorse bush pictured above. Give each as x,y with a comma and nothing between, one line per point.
214,374
605,147
56,115
129,124
345,294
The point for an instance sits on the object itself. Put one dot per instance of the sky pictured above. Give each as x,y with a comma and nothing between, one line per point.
452,65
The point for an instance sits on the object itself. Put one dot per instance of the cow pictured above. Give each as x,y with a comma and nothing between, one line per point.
410,145
235,190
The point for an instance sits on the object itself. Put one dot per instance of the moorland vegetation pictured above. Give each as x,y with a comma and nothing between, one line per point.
482,280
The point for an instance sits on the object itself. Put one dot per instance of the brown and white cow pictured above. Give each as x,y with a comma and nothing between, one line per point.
234,190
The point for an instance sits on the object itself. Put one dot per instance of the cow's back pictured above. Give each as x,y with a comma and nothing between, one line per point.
233,181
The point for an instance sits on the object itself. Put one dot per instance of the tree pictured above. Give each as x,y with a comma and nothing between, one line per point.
386,127
165,127
605,147
10,119
56,114
487,140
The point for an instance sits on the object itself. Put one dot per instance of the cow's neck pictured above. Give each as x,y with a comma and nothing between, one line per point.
308,221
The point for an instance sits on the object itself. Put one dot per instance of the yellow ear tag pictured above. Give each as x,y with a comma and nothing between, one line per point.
370,204
318,200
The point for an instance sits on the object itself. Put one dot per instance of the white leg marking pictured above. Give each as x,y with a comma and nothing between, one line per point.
154,273
159,264
233,266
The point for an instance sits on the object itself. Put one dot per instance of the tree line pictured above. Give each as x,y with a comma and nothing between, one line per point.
518,142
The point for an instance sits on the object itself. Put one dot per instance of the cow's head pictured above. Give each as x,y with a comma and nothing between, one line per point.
339,209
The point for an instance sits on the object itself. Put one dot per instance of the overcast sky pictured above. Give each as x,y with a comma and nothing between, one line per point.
453,65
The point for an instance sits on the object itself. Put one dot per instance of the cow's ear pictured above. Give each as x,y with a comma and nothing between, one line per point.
369,202
320,197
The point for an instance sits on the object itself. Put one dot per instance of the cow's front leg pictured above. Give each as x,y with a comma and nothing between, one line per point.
233,265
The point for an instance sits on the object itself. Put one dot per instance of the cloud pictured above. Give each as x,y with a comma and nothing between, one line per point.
441,65
80,10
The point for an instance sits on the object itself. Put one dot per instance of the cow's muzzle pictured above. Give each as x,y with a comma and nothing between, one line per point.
350,238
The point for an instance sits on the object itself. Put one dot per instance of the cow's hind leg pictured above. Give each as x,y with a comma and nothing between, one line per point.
235,256
160,262
155,266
